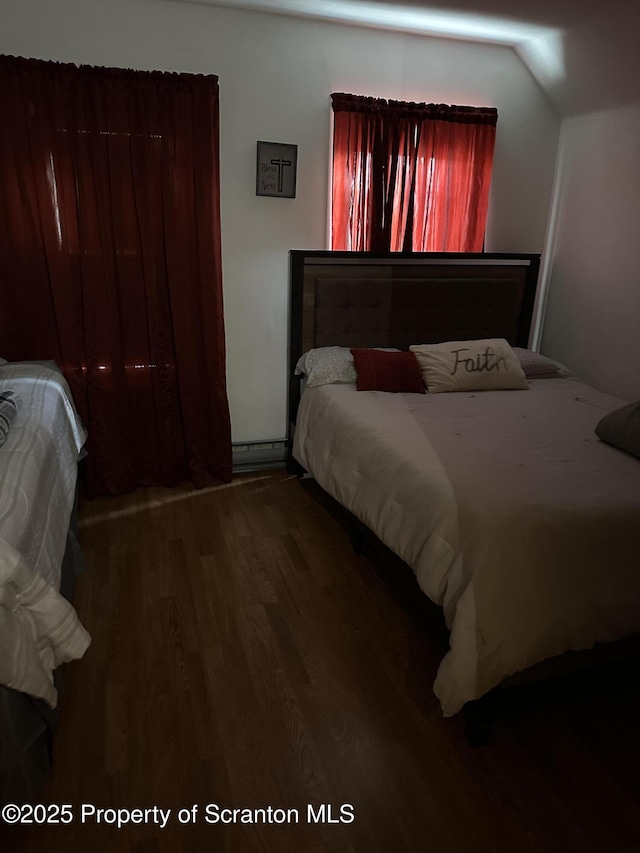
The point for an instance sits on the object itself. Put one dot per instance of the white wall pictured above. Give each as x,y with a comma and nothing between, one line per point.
593,315
276,75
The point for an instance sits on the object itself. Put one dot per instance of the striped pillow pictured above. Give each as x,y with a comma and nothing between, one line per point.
9,405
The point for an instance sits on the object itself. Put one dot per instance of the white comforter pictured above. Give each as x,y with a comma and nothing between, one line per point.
38,628
513,515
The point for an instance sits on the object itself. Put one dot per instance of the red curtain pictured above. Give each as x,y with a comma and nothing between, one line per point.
410,177
110,261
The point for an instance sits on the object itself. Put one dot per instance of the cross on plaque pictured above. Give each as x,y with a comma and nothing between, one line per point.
280,163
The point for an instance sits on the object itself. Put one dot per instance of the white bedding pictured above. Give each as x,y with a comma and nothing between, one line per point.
513,515
38,467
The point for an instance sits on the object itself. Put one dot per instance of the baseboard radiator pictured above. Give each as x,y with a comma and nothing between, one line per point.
254,455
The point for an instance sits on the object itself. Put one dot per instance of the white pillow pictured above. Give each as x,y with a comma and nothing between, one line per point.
3,361
325,365
486,365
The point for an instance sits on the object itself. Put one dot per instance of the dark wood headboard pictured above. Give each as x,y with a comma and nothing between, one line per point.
366,299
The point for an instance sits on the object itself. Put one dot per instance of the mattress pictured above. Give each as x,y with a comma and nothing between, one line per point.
38,469
514,517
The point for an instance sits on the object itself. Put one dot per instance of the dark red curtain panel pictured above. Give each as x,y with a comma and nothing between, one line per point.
110,261
410,177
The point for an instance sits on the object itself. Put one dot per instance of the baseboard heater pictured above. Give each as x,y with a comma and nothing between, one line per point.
254,455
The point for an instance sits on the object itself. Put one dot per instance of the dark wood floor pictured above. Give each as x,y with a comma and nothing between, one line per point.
243,655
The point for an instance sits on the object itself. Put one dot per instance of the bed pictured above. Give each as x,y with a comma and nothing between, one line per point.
514,517
39,559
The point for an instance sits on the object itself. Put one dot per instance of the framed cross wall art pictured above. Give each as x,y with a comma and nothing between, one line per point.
276,169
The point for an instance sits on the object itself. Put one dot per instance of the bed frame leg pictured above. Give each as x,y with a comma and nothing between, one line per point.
294,468
357,541
479,717
357,534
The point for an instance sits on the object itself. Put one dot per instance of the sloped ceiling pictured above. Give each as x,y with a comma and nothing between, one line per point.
584,53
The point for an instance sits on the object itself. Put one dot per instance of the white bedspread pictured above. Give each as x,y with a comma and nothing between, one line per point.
38,467
513,515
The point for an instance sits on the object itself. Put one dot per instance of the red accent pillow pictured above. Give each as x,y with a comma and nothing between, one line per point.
398,372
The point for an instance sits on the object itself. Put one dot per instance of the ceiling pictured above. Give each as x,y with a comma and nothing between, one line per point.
501,21
547,13
582,52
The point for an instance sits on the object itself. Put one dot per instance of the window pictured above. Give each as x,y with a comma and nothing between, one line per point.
410,177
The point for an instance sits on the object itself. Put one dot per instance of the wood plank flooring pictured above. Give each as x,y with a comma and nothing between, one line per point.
244,656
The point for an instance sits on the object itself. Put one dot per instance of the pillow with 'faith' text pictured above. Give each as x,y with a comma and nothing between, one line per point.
486,365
